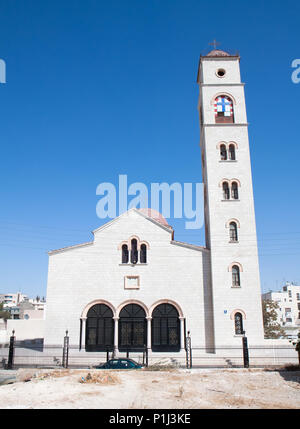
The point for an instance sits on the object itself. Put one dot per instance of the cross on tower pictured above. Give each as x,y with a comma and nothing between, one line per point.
214,43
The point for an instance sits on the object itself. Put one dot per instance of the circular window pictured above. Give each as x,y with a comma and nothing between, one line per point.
26,316
221,72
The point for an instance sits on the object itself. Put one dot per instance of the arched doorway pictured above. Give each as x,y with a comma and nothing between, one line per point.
99,329
165,329
132,328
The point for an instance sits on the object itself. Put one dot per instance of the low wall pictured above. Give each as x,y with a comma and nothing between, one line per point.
25,329
2,336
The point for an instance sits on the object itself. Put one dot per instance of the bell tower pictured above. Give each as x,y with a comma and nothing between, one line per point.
229,207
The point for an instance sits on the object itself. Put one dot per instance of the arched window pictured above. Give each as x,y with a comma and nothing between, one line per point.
233,232
225,191
132,328
234,191
231,152
224,110
165,328
134,252
143,254
99,329
236,279
125,255
223,152
238,324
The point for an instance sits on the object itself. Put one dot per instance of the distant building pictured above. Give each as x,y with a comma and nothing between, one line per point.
32,309
22,307
14,312
12,299
288,312
27,318
38,304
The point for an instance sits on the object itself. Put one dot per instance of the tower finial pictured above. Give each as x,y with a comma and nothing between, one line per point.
214,43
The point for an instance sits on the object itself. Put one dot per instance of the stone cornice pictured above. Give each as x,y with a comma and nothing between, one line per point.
220,58
189,246
222,84
76,246
246,124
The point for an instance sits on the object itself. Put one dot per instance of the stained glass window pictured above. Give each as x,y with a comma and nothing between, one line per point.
238,323
236,282
233,231
224,109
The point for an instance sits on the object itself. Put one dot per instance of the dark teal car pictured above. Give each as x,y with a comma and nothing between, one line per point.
120,364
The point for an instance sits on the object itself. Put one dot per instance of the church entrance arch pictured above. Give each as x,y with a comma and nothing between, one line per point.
132,328
99,329
165,329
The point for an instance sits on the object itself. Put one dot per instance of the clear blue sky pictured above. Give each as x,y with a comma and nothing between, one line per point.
101,88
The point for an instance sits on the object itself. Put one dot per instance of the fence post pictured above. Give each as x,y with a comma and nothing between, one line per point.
188,350
145,355
11,351
65,360
245,350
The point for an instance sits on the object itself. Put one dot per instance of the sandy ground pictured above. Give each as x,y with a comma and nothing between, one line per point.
135,389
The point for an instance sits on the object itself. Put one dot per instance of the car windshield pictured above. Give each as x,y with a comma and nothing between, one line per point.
113,363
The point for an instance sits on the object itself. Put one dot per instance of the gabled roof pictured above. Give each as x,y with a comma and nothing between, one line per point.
152,216
157,220
155,215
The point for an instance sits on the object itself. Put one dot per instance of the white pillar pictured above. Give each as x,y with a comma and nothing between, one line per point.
83,332
149,332
116,335
182,333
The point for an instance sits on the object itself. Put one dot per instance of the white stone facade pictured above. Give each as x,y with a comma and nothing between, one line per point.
197,281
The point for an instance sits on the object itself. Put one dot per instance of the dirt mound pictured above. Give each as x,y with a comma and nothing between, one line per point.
171,389
100,378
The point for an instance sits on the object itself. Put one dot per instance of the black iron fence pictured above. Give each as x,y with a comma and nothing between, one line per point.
17,354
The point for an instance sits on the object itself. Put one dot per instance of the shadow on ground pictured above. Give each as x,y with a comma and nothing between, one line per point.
288,373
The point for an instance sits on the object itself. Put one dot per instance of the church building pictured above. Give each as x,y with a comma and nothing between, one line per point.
135,286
